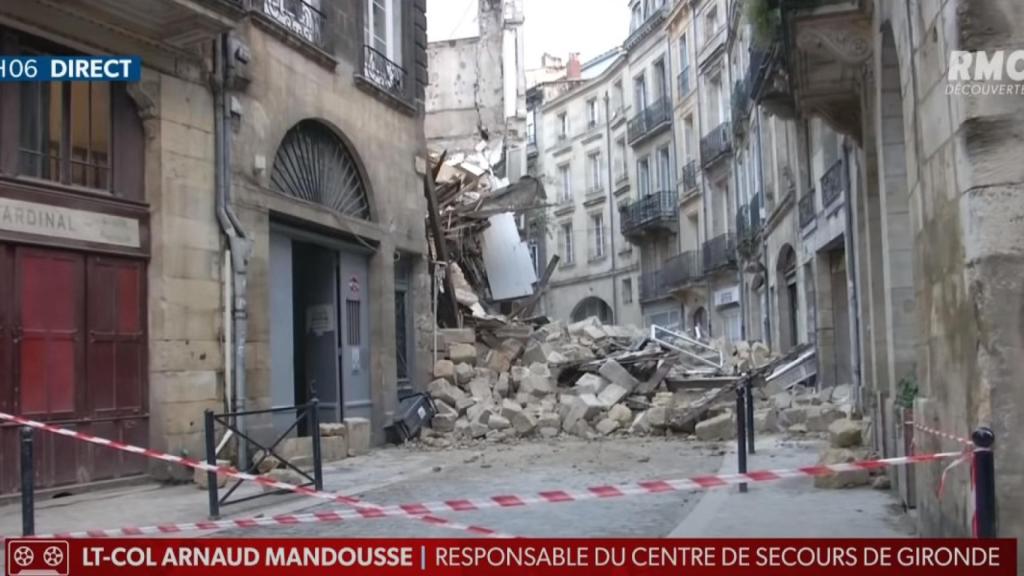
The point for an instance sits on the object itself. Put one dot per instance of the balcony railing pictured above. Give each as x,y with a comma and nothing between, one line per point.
683,269
748,218
833,183
652,213
383,73
806,208
690,176
720,252
716,143
650,119
652,23
684,82
298,17
653,285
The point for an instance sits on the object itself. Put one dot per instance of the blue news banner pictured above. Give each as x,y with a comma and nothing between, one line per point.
70,68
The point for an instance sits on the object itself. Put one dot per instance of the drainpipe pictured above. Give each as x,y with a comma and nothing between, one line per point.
611,208
736,194
703,181
674,157
766,301
851,279
239,245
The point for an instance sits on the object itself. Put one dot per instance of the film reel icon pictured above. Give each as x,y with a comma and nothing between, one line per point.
23,556
53,556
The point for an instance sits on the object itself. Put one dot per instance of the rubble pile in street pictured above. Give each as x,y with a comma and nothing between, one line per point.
503,380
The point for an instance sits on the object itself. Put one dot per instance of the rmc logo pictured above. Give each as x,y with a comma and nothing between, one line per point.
969,70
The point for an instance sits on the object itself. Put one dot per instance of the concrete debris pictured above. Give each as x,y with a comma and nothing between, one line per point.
844,434
502,378
847,478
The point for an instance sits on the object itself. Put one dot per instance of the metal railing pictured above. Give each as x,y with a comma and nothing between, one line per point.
716,143
306,416
644,122
686,345
382,72
683,268
806,208
833,183
298,17
690,176
684,82
658,209
720,252
653,285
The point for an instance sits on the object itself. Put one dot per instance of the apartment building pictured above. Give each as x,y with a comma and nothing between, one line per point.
584,160
248,223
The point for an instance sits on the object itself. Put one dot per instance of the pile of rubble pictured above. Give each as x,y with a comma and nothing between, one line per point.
515,380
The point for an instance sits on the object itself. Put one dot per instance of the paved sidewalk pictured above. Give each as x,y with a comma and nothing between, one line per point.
793,508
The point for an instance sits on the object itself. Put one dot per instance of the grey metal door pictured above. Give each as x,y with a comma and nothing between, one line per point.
282,338
354,298
321,329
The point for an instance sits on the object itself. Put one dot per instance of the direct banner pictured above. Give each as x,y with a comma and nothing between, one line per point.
541,557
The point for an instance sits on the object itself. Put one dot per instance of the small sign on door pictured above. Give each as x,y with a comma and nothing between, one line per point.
320,319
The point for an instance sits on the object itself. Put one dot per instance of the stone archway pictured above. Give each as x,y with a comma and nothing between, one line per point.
593,306
786,292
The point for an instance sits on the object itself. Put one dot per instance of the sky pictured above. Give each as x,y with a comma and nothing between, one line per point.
589,27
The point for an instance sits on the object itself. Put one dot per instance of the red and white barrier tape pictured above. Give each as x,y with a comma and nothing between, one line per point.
232,472
940,433
424,510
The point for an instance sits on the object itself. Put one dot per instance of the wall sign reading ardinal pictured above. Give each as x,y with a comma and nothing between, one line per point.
68,223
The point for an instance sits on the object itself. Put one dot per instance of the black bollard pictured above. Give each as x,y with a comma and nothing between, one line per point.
749,388
28,493
318,469
211,459
741,433
984,483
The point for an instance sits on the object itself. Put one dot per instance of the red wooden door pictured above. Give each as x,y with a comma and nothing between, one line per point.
115,378
49,344
8,434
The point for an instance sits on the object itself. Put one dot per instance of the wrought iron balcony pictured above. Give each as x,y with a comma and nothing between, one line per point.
648,26
298,17
806,208
683,269
716,144
383,73
654,213
720,252
684,82
690,176
650,120
653,285
748,218
833,183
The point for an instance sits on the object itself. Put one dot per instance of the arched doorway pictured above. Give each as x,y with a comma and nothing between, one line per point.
700,323
593,306
320,299
786,287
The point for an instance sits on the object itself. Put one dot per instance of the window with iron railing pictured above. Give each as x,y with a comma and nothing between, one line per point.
833,183
302,18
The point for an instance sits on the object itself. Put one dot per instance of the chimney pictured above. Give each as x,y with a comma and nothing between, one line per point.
573,70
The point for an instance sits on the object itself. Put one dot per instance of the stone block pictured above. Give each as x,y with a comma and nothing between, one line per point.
480,389
479,413
328,429
478,430
578,329
721,427
845,479
451,336
462,429
536,385
463,404
612,394
794,415
458,352
844,433
292,448
577,413
444,390
819,418
594,332
657,416
766,421
590,384
502,387
445,408
616,374
333,448
522,422
549,420
464,373
536,353
548,432
358,436
517,373
286,475
593,404
607,426
496,422
200,477
621,414
444,422
264,465
445,369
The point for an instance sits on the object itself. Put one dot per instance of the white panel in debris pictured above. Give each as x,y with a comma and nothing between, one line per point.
507,259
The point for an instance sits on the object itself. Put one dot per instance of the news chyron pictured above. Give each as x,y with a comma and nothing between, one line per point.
70,68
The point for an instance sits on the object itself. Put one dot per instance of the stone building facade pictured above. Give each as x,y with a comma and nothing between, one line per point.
244,286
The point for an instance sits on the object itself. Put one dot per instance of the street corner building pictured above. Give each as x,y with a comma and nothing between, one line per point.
240,230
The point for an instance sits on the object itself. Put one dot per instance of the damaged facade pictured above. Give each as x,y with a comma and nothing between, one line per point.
218,279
